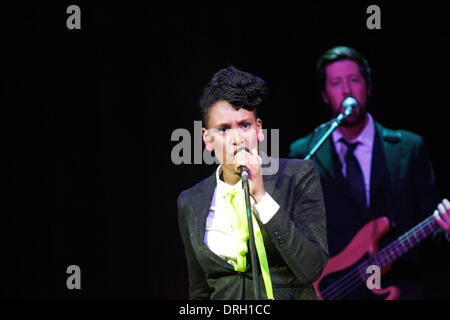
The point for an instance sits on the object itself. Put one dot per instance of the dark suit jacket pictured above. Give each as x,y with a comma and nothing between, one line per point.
402,187
295,238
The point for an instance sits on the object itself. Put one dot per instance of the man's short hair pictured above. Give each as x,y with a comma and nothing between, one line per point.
343,53
238,88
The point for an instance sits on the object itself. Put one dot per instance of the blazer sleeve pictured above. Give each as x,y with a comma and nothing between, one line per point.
198,287
300,235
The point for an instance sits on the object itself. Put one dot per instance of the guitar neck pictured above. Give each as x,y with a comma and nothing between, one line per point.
383,258
404,243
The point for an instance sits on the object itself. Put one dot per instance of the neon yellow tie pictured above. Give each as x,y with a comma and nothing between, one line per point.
235,204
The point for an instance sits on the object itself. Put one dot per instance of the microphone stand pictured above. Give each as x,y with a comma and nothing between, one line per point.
253,253
334,124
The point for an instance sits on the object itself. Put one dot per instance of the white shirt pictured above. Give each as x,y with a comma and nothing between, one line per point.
219,236
363,152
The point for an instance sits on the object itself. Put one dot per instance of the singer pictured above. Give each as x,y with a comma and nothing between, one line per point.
288,208
369,171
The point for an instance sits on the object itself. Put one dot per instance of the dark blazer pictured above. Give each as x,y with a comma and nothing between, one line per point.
295,238
402,186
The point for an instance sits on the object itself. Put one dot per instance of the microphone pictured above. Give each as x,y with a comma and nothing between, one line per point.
349,104
243,169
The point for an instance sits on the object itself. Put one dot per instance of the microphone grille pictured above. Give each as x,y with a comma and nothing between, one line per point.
349,102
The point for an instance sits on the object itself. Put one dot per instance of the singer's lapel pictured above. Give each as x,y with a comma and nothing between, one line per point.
201,206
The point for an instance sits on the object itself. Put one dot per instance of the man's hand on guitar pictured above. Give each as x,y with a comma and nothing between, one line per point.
442,215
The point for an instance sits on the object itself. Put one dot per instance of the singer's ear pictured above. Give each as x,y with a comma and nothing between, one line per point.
325,98
207,139
259,130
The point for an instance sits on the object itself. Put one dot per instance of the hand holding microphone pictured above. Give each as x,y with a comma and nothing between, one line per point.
242,168
248,163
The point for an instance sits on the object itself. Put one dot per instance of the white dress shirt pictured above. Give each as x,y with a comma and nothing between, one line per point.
219,236
363,152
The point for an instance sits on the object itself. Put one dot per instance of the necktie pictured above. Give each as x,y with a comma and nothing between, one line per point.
355,176
235,206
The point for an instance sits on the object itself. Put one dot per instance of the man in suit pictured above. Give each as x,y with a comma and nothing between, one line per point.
368,171
287,206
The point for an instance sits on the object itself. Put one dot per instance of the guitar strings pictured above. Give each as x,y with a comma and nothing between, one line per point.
333,290
350,285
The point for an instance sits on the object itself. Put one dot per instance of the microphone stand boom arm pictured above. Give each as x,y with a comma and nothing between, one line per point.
334,124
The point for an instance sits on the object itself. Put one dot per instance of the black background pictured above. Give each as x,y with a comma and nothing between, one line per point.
90,113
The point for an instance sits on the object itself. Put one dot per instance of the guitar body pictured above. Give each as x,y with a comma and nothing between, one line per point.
364,242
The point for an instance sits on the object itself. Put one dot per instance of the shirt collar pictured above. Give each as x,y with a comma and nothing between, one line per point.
223,187
365,137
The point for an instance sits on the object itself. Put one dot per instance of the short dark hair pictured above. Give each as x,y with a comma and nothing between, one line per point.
343,53
238,88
